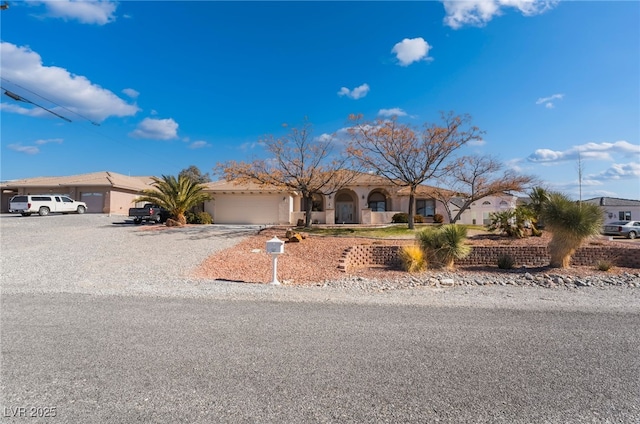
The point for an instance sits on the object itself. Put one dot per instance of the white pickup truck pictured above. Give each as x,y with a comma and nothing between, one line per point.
44,204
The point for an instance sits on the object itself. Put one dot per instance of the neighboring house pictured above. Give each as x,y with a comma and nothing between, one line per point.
479,213
617,209
103,192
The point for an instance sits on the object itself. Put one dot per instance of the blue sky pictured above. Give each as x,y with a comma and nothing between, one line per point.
152,87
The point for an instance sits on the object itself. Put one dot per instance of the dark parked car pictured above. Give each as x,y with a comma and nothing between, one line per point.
629,229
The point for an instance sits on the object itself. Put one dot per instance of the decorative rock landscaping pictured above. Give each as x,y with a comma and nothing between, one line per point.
559,280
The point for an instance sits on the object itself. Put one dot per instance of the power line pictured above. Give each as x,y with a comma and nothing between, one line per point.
50,101
19,98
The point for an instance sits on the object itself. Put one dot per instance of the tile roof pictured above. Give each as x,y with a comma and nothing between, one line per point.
234,187
99,179
613,201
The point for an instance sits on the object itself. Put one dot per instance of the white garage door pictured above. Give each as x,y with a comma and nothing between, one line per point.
94,201
246,209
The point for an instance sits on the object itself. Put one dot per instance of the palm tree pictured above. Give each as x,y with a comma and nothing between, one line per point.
175,195
571,223
539,196
444,245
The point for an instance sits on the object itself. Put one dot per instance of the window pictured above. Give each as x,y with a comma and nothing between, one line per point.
377,202
317,204
486,218
66,200
41,198
486,202
624,215
425,207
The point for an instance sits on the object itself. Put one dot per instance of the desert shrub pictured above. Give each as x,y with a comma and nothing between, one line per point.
412,258
443,245
199,218
418,219
604,265
400,218
571,223
506,262
509,222
438,218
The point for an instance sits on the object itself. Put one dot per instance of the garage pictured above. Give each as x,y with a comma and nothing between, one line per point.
246,208
94,201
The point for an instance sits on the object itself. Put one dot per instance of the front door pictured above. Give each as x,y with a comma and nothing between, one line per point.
344,214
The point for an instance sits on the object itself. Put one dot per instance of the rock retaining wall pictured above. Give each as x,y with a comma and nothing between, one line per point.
530,256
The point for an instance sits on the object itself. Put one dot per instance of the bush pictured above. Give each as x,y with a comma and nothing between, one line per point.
506,262
438,218
199,218
412,259
400,218
604,265
403,218
443,245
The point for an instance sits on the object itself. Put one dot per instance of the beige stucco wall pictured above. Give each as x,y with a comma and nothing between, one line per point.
119,202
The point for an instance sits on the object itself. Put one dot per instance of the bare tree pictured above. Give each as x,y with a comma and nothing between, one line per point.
409,156
475,177
297,162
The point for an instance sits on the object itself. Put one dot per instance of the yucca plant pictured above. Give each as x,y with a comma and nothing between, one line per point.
412,258
443,245
175,195
571,223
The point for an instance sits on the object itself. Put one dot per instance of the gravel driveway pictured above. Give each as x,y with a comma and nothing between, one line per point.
101,254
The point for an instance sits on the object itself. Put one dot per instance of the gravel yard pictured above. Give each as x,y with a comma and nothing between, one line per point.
106,255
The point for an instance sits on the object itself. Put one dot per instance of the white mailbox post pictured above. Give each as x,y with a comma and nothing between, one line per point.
275,247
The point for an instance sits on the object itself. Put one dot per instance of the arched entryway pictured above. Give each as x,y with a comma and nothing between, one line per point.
346,207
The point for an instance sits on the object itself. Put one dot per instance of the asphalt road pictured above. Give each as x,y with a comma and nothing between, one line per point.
125,359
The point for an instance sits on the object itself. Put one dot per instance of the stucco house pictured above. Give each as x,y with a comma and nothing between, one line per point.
479,213
103,192
617,209
368,199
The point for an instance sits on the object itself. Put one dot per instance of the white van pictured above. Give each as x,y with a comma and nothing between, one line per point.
43,204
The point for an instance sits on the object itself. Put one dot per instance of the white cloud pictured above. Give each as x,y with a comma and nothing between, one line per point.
602,151
620,171
478,12
478,142
396,111
47,141
199,144
356,93
29,150
549,101
411,50
131,93
98,12
32,150
156,129
23,67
